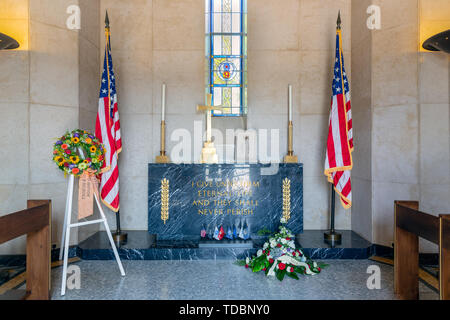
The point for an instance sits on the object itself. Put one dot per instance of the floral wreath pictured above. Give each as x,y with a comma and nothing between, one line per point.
279,257
78,151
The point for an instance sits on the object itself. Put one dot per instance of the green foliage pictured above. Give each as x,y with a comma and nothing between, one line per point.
263,232
293,275
280,274
240,263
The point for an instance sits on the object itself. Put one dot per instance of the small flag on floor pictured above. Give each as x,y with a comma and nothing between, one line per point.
216,233
203,232
246,231
229,233
241,231
221,233
235,231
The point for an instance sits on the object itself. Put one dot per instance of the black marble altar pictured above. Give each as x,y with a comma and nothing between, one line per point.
222,194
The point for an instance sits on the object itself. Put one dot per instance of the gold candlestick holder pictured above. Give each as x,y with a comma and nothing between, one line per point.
163,158
290,157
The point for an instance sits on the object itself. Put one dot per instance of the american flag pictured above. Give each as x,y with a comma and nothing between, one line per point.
338,161
107,130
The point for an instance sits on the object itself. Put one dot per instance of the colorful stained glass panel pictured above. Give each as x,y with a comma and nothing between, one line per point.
226,55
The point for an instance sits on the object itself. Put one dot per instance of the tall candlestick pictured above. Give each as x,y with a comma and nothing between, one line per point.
163,102
290,157
290,102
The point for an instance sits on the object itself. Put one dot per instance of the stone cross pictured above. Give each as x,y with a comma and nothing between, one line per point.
208,108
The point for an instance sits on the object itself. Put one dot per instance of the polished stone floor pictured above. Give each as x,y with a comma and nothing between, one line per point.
208,279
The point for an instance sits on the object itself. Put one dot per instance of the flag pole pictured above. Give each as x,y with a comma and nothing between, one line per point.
332,237
119,236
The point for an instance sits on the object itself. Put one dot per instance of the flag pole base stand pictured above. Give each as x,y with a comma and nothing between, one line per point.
290,158
162,158
120,238
332,237
209,154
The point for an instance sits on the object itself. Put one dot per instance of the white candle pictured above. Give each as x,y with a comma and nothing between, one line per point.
163,102
290,102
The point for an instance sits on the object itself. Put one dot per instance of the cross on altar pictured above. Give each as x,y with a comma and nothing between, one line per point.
208,108
209,154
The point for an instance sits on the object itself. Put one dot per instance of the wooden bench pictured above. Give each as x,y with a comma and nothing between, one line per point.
35,222
410,224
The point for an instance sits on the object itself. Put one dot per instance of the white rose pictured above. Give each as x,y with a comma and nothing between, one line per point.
303,259
288,269
247,260
283,241
259,252
265,246
315,265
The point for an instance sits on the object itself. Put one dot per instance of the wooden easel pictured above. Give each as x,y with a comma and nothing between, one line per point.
66,233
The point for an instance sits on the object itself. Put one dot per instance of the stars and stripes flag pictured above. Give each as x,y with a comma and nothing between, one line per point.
338,161
107,130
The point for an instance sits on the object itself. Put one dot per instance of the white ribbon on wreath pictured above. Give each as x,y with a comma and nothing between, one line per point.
289,260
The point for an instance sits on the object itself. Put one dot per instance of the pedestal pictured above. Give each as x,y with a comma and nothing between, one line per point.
209,154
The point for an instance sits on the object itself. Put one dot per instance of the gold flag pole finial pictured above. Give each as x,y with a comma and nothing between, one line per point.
339,20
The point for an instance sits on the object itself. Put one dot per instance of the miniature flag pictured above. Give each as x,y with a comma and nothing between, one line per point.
210,234
216,234
229,233
235,234
203,232
246,231
241,231
221,233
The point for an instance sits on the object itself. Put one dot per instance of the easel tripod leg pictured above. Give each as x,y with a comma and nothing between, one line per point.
66,258
108,232
67,214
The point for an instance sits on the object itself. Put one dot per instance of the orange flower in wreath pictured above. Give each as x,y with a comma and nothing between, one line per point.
64,146
75,170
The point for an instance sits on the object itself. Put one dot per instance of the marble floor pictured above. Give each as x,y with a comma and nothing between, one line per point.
208,280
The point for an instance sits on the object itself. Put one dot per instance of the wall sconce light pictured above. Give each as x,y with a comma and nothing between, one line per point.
438,42
7,43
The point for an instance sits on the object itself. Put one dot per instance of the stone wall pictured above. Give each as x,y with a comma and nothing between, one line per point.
44,85
402,96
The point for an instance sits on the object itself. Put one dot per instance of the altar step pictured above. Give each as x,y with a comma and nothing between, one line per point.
143,246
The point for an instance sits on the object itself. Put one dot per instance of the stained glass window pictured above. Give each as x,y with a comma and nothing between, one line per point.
226,55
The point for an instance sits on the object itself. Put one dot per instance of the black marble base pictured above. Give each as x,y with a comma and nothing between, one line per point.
352,245
144,246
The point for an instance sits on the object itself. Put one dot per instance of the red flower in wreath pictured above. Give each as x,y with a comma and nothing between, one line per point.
270,260
293,253
279,245
68,151
281,266
246,266
288,238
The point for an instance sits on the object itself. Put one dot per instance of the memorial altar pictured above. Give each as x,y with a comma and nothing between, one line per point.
183,199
